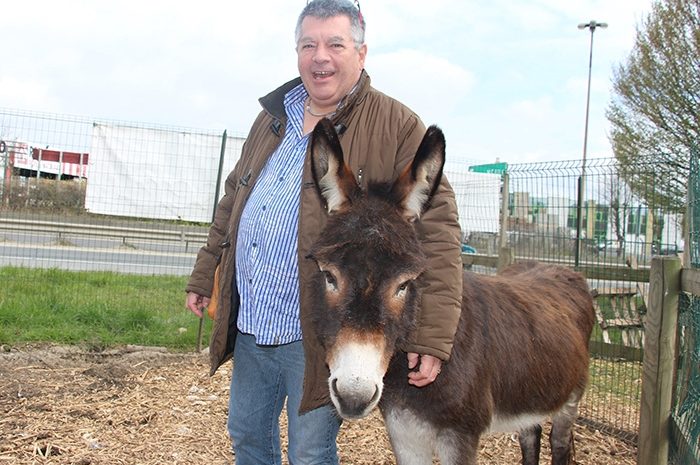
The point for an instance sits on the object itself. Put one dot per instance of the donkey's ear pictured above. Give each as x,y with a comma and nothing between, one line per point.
333,179
419,181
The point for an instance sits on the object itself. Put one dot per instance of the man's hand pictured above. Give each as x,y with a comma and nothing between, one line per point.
428,369
196,303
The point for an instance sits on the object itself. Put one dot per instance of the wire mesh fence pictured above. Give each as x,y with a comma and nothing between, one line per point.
85,194
685,415
607,223
593,221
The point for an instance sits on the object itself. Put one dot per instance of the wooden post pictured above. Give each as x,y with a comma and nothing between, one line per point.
659,361
506,256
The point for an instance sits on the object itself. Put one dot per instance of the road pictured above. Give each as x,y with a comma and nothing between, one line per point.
102,255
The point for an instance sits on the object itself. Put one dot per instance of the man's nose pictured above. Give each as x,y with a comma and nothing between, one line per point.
320,54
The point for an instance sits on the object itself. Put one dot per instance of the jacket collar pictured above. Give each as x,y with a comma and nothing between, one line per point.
273,103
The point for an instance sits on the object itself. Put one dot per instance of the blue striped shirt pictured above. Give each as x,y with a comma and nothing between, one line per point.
267,272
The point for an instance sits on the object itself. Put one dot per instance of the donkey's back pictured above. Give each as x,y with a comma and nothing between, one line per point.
520,355
538,319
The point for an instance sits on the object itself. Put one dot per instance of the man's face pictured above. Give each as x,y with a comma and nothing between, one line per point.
329,63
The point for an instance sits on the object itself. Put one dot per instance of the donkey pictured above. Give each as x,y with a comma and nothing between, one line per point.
521,349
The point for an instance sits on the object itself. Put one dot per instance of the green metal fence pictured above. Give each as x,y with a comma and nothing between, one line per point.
684,448
609,233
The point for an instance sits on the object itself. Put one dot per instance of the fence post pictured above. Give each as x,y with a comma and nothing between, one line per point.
691,220
222,154
659,361
506,256
503,230
219,174
6,180
579,222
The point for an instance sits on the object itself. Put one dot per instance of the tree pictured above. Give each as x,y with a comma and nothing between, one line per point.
655,108
620,199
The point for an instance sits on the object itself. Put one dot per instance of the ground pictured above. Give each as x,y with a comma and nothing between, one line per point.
147,406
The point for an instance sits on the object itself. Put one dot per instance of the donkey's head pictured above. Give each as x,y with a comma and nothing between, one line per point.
369,259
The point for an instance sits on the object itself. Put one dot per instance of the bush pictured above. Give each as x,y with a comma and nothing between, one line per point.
46,195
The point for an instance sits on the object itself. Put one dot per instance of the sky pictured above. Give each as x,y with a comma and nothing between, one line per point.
506,80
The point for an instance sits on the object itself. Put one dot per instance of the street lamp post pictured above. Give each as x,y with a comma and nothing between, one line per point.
592,25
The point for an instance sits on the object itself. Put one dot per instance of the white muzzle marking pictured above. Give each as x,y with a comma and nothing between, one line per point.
356,378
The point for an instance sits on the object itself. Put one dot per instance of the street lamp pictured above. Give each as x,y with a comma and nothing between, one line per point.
592,25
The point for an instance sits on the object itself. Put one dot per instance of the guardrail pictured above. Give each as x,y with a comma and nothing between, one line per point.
611,272
592,271
124,233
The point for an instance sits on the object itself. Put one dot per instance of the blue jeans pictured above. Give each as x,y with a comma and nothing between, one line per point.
263,377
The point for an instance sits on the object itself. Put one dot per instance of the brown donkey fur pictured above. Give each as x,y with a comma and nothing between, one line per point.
521,348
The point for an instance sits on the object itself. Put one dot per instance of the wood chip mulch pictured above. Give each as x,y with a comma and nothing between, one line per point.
148,406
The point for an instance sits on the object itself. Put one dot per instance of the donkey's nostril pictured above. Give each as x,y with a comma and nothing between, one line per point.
353,403
375,397
334,386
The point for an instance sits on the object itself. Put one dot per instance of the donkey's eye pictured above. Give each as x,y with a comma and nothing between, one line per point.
331,282
401,290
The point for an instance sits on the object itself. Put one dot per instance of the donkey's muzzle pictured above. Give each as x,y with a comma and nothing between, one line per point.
355,401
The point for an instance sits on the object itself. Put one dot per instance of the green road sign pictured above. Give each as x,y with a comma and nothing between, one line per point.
494,168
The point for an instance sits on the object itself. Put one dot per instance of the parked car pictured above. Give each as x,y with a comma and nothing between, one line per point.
468,249
666,249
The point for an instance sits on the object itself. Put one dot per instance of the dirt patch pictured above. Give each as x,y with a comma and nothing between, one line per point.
147,406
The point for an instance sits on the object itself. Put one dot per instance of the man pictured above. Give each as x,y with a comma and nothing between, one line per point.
267,221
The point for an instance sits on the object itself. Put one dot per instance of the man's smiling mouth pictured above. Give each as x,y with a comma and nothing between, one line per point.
321,74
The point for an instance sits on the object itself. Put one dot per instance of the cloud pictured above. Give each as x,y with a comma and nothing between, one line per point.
503,78
537,109
33,94
432,86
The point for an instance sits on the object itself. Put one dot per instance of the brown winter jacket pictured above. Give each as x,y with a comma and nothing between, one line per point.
379,136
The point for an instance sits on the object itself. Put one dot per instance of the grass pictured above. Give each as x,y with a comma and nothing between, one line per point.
619,379
101,309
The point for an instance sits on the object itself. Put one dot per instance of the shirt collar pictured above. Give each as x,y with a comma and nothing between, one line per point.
294,107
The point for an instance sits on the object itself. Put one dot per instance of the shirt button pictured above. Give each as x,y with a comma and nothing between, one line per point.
281,179
263,208
254,244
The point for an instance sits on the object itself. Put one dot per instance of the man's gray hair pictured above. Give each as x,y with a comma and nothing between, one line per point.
325,9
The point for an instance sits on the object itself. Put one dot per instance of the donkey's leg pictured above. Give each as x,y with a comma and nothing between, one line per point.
561,439
412,438
457,448
530,439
